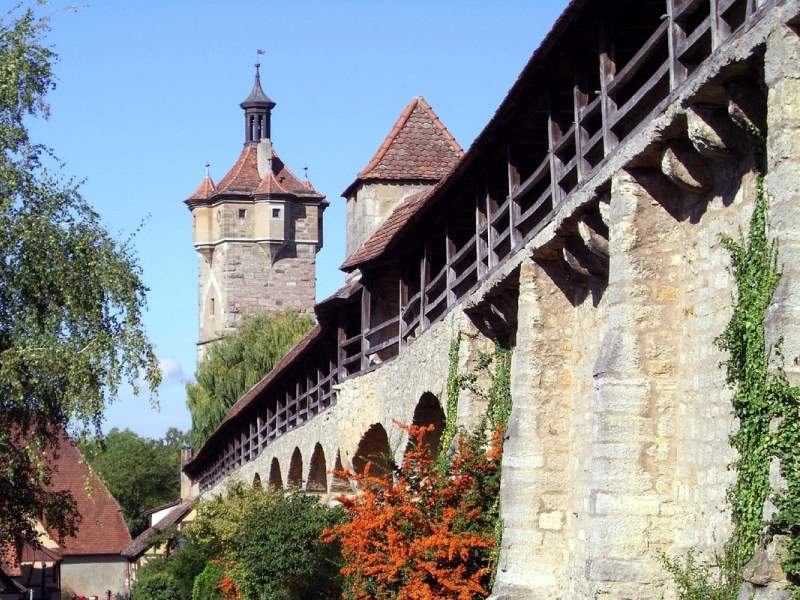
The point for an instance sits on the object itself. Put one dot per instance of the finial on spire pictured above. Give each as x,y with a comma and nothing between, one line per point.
305,171
207,166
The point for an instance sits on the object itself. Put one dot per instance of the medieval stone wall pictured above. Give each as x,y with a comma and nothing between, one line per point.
617,448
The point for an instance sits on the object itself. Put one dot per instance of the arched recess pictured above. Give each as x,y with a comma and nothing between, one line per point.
275,479
257,482
295,477
373,448
339,485
317,472
429,412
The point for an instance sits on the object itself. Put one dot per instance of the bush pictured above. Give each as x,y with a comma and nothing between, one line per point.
278,553
156,586
207,583
424,533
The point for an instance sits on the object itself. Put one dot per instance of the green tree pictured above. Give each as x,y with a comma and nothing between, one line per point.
278,554
71,298
141,473
160,585
206,584
238,362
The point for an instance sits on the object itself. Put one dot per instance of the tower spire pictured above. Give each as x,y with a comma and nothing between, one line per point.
257,110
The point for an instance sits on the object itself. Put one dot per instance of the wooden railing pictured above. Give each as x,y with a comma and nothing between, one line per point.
686,35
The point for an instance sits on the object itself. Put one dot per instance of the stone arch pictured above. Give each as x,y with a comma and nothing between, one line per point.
373,448
257,482
317,472
339,484
275,479
295,477
429,412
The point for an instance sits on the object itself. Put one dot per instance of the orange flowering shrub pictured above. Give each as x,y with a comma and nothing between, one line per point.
422,534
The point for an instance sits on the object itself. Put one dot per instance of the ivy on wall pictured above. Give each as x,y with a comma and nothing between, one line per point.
768,410
498,411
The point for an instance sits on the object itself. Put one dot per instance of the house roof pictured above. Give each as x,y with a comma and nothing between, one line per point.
142,541
382,237
102,529
243,177
419,147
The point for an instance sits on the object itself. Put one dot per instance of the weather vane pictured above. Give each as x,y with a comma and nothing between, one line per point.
208,166
305,170
259,54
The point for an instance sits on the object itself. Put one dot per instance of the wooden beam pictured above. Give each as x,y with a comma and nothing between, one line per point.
553,135
513,204
481,248
449,252
402,304
341,336
677,70
491,257
424,276
579,100
608,69
366,306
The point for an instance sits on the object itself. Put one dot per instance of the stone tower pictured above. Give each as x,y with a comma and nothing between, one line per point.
257,232
416,154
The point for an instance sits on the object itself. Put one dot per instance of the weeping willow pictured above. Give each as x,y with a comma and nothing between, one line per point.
235,364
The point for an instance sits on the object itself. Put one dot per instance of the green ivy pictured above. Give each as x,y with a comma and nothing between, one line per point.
766,406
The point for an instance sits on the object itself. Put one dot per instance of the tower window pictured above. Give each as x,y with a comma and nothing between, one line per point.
211,308
276,213
242,213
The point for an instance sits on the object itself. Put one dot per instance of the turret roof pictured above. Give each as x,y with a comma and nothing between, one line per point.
243,178
419,147
257,97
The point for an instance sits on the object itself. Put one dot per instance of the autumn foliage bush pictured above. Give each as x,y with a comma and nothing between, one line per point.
421,532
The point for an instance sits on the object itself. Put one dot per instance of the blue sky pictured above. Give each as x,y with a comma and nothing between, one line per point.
148,92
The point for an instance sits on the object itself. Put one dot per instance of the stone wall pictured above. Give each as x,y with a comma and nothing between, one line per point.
370,205
241,275
375,399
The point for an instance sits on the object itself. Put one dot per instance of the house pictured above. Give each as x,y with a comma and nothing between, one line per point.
89,563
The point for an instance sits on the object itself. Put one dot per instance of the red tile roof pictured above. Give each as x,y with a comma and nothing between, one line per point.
375,244
204,191
419,147
243,176
102,529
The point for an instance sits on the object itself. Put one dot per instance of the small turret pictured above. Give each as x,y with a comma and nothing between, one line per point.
257,111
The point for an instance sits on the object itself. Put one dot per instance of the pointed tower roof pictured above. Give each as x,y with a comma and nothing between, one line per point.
419,147
205,190
257,97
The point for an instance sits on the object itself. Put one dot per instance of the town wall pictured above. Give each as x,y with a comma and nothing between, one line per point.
617,452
